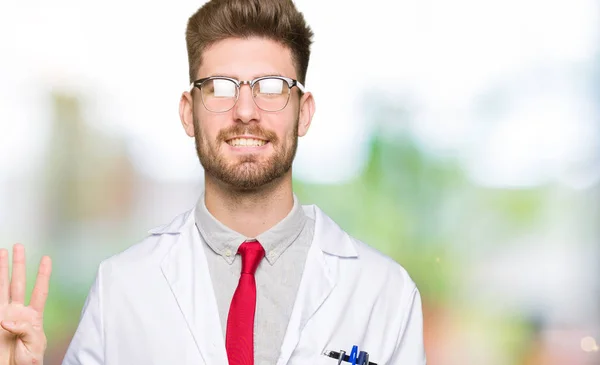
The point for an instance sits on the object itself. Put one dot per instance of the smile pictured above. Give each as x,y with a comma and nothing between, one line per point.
246,142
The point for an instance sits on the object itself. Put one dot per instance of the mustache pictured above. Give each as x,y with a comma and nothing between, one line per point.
239,130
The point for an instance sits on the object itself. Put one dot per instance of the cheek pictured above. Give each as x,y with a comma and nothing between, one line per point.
208,126
283,125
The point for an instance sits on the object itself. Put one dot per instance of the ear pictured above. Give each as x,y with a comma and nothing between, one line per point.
186,113
307,110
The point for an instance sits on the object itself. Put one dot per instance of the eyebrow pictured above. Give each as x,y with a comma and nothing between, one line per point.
255,77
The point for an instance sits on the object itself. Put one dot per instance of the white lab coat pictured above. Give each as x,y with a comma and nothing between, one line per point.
154,304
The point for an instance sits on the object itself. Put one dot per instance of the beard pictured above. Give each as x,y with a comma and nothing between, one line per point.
248,172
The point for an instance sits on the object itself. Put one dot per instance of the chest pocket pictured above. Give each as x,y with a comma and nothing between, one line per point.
326,360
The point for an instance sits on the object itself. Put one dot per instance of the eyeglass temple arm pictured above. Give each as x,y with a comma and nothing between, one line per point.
300,86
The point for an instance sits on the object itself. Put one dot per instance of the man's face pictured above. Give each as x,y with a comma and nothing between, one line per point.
246,147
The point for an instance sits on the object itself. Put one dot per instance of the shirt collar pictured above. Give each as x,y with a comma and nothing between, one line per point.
225,241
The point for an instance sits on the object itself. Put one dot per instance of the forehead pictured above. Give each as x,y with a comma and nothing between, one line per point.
246,59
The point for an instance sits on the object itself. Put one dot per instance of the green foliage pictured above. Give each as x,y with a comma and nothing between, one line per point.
419,209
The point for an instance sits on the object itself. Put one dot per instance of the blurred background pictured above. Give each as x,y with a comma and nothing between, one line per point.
460,137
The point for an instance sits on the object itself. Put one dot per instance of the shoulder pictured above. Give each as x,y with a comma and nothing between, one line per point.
150,251
383,269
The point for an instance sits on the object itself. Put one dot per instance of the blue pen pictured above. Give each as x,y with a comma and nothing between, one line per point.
353,354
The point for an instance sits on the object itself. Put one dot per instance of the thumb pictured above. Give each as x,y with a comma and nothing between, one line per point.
26,332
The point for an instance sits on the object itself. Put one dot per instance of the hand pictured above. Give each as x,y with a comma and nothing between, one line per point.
22,338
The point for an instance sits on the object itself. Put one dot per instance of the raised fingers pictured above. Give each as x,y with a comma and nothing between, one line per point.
42,283
4,282
17,282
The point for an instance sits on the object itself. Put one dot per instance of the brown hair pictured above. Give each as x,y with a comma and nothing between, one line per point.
278,20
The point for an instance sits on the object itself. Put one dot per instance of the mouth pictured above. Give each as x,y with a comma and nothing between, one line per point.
246,142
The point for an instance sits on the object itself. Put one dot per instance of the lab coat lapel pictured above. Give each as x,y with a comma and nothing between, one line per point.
186,270
330,243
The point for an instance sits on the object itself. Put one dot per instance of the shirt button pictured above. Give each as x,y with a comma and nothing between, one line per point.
272,256
228,252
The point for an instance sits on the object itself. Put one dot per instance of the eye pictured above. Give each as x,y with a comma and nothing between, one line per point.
222,88
270,87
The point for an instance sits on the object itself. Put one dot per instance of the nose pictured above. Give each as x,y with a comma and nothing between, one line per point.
245,110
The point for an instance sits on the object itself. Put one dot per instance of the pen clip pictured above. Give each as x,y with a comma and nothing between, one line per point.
341,358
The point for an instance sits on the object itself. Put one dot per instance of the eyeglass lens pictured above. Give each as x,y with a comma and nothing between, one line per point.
220,95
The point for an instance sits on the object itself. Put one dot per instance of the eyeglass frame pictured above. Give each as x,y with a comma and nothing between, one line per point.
291,83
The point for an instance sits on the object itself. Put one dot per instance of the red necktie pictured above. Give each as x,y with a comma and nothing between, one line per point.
239,338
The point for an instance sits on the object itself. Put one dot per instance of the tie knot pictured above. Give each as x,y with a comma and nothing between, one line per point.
252,252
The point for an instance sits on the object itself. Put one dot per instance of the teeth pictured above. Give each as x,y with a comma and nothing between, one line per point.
246,142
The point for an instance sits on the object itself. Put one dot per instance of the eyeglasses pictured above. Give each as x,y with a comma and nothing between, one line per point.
270,93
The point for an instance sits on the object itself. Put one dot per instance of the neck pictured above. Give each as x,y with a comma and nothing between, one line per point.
253,212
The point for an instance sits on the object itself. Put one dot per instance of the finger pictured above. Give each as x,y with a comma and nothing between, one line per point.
32,336
17,282
4,282
42,283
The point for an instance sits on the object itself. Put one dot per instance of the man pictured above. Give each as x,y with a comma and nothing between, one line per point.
249,276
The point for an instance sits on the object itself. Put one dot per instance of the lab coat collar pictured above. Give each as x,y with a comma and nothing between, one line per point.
332,239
